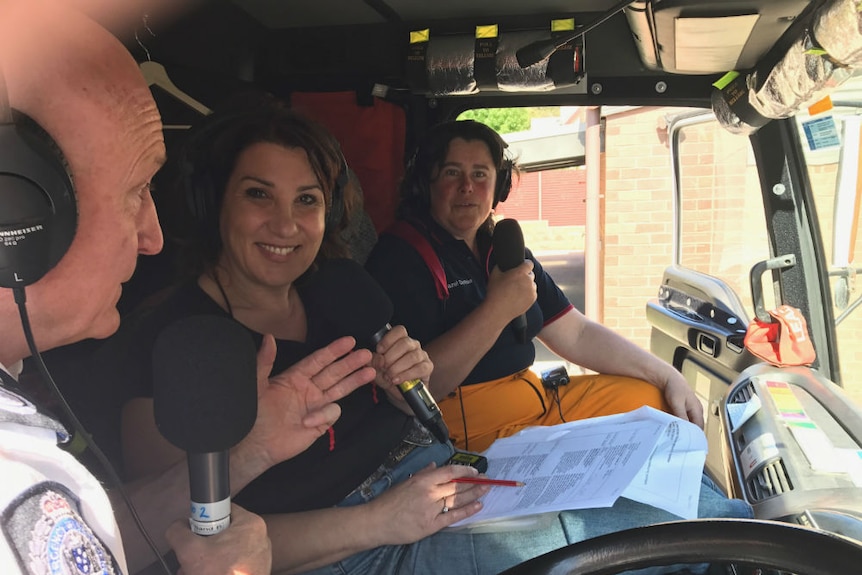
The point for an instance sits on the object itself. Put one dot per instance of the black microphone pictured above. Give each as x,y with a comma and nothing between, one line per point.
363,311
205,402
509,250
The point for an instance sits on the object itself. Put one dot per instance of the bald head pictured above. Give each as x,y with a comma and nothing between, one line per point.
81,85
48,49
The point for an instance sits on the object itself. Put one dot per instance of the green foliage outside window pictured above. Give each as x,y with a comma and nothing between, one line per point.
503,120
508,120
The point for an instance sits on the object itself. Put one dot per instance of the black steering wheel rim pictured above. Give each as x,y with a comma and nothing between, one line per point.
767,544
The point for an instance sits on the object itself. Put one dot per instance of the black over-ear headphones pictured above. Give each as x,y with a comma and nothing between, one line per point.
336,211
38,210
202,196
504,182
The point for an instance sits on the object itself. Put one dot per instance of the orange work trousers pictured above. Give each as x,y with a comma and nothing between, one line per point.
478,414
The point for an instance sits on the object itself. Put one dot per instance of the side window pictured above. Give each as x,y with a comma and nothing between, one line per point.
831,142
550,205
722,230
548,196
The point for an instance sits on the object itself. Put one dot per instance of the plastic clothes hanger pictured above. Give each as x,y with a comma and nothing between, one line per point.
156,75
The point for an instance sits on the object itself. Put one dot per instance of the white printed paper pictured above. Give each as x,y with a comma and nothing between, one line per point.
646,455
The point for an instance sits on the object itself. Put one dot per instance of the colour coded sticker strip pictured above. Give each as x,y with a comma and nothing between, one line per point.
788,405
815,444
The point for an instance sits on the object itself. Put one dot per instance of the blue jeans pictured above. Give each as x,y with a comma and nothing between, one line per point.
465,552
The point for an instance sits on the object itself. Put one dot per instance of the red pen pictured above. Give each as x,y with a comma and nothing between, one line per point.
487,481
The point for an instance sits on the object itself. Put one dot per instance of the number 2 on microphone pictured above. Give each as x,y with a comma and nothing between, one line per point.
199,512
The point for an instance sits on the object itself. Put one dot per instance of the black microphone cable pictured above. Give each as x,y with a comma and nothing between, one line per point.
21,300
464,420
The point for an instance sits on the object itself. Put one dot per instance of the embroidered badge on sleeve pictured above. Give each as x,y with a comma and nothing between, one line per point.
44,527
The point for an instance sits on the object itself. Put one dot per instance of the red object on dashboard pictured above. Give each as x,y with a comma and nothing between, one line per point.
784,341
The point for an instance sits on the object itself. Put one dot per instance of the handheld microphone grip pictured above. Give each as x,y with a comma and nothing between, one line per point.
508,242
209,492
420,400
425,408
205,402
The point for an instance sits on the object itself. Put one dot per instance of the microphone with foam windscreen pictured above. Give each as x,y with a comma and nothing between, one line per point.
508,242
205,402
358,306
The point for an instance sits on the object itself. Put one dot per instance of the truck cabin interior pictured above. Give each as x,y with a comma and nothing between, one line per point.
379,73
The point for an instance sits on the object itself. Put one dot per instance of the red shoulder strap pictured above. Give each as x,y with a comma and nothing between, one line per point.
420,243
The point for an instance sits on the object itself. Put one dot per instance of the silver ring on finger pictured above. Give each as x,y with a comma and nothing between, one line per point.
445,507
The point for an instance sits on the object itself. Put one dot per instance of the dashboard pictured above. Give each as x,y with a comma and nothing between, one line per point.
796,444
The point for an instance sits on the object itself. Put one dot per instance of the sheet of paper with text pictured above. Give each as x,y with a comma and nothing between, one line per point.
645,455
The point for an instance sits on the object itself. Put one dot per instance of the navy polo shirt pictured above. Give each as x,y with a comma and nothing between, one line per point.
410,283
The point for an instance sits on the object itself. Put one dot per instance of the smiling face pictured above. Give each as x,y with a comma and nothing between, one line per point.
272,217
462,191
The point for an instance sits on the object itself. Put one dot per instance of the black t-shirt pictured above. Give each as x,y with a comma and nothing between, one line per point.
410,284
319,477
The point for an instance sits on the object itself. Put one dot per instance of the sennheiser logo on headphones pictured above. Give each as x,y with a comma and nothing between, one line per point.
12,237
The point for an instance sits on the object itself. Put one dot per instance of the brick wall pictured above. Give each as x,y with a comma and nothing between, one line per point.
637,188
555,196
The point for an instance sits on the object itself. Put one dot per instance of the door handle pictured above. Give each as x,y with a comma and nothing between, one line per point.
707,344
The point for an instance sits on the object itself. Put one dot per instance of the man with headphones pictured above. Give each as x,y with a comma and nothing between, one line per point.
80,140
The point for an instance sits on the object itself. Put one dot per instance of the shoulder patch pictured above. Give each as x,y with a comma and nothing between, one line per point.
44,528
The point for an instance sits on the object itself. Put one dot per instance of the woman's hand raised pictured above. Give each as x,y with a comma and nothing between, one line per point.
297,406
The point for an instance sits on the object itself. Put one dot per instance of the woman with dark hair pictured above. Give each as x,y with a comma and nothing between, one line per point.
208,158
264,188
482,377
374,494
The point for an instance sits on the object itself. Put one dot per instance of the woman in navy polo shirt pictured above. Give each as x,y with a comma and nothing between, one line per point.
439,268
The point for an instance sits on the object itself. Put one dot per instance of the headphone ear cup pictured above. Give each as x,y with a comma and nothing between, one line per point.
38,208
198,192
417,190
190,181
336,210
196,185
504,183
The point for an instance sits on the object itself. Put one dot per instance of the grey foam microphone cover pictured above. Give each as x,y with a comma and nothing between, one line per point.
205,383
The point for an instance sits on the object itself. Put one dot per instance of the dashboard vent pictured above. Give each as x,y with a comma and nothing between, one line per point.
771,481
742,394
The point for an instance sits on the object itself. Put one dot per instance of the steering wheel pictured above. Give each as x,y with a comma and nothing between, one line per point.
761,543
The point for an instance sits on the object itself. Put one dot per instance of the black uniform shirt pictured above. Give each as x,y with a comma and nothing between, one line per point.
404,274
321,476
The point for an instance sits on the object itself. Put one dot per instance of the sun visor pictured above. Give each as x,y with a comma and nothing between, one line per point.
463,64
820,60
